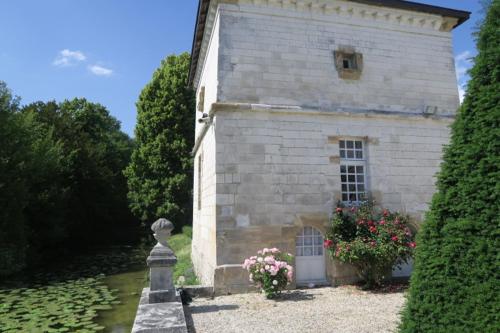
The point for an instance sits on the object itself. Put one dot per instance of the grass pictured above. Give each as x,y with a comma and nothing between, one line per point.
181,245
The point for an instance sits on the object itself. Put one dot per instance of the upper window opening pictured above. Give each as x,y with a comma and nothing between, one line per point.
349,64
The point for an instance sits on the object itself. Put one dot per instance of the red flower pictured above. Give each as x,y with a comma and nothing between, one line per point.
328,243
373,243
373,229
361,222
395,238
353,209
386,212
412,245
370,223
338,210
382,222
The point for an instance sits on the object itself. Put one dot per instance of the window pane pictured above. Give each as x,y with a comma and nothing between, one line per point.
351,178
318,251
307,230
350,144
345,197
350,154
318,241
308,251
344,188
298,241
352,187
342,153
359,144
343,178
359,154
352,197
351,169
360,178
361,188
299,251
342,144
308,240
342,169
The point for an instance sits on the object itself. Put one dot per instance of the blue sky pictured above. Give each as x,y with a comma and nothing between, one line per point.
106,51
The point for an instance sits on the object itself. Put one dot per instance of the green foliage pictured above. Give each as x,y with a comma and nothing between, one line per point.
372,241
14,146
454,286
61,179
181,245
160,173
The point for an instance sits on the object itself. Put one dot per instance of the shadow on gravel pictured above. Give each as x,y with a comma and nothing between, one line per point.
211,308
295,296
189,310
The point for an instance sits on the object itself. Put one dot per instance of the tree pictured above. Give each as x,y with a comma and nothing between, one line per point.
160,173
97,152
29,160
454,286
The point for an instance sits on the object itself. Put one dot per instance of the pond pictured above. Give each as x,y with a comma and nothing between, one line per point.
96,292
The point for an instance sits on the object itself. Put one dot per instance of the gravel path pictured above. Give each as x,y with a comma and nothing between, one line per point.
325,310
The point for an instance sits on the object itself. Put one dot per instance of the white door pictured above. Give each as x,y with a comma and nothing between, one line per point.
310,257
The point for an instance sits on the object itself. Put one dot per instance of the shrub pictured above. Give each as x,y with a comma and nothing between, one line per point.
455,283
270,270
371,241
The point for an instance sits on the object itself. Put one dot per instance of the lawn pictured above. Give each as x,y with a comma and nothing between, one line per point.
181,245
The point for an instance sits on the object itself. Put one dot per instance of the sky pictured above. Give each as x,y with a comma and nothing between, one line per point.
107,50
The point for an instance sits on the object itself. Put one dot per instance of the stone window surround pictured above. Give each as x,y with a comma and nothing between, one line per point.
355,59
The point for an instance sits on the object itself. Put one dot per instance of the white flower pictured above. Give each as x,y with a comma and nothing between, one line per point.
275,282
260,259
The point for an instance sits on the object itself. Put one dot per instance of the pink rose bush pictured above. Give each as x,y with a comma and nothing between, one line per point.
371,240
270,270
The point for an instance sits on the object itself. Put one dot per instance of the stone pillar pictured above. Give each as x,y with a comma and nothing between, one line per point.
161,263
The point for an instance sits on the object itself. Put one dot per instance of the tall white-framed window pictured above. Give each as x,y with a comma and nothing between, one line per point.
352,170
200,176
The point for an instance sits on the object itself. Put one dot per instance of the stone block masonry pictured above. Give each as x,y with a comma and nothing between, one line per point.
267,161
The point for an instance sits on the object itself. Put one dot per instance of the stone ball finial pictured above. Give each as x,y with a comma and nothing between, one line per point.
162,229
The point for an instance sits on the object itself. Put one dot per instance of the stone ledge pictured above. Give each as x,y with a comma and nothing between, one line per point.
160,317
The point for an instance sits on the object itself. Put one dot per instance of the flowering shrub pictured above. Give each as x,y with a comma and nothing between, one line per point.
372,241
270,270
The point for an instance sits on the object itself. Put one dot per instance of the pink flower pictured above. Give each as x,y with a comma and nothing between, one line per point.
338,210
394,238
275,250
412,245
373,229
386,212
262,270
267,267
269,260
382,222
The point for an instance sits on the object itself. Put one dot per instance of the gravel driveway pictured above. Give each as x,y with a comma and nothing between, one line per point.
325,310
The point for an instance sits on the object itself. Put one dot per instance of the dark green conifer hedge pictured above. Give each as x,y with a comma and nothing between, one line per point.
455,285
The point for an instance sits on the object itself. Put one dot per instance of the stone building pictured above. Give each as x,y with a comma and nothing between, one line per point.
301,103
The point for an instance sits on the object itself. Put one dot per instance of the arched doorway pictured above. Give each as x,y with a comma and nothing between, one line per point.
310,257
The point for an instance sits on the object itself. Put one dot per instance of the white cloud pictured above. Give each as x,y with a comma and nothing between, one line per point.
68,58
100,70
463,62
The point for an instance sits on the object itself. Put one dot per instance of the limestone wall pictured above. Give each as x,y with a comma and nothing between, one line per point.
278,170
204,215
273,53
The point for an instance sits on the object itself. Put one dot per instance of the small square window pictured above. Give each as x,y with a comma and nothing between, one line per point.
349,64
